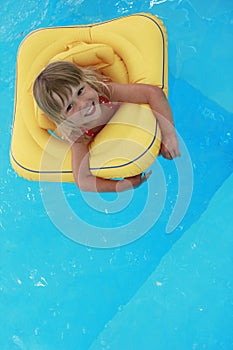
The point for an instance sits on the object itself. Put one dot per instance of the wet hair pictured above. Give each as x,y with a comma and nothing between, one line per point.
54,84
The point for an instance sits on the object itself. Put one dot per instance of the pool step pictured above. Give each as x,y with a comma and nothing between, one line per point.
187,301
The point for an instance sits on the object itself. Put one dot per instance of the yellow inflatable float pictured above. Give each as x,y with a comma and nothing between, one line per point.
130,49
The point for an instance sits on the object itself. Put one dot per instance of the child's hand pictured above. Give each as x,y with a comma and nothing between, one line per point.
77,136
169,147
134,181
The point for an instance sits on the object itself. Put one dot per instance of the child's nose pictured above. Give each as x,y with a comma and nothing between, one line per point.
82,101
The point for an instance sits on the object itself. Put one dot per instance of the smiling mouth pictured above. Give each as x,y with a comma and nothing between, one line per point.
91,110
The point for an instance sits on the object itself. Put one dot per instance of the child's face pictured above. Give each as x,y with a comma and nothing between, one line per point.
82,106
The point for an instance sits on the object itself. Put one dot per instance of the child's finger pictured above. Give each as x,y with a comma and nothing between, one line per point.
145,176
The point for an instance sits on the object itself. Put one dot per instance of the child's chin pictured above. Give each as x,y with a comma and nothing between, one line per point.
94,122
95,117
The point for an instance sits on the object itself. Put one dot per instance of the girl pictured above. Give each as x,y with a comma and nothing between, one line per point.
78,101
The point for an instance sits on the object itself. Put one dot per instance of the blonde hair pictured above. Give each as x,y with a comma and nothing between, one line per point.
57,80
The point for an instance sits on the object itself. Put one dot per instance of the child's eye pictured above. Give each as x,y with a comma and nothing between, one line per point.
80,91
69,107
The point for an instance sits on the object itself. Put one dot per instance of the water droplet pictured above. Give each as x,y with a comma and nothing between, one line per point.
158,283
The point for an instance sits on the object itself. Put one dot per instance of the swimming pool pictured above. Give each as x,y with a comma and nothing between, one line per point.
162,291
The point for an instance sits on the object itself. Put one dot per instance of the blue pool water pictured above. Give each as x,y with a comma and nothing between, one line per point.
162,290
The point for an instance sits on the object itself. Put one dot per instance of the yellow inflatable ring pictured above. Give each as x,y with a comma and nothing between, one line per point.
130,49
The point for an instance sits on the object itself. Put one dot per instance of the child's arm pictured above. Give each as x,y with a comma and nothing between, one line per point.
89,183
155,97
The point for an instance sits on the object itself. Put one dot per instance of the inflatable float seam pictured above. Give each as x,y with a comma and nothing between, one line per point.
91,168
133,160
39,171
163,38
